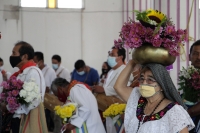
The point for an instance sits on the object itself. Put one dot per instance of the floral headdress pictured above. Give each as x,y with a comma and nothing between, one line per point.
153,28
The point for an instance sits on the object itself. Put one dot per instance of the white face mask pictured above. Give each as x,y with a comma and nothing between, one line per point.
81,73
111,61
55,66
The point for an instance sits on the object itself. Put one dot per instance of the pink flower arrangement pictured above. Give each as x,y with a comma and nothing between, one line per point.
10,93
135,34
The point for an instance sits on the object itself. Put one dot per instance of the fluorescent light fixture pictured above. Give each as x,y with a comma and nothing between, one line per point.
34,3
70,3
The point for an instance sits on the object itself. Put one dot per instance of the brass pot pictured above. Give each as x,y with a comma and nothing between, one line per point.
150,54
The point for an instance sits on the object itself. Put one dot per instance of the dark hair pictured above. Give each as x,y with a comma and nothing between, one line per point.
25,48
121,52
197,43
60,82
108,68
79,64
39,56
1,60
56,57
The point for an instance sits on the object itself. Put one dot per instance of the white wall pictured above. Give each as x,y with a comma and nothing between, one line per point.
73,34
87,33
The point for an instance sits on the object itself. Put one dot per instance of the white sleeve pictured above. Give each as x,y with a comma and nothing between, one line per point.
178,119
109,91
51,75
80,95
8,74
39,79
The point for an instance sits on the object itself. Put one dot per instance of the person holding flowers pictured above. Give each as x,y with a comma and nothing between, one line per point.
27,118
79,93
155,106
189,82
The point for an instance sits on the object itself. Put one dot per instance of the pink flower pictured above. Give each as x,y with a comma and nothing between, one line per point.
11,100
5,85
117,44
134,34
15,92
9,93
174,52
170,29
156,42
157,36
2,96
162,113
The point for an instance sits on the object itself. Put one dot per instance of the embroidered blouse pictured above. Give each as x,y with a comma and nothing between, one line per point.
172,119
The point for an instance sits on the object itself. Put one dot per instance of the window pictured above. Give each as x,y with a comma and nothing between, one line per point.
33,3
70,4
52,3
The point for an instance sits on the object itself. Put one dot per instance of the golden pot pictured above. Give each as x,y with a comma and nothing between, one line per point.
150,54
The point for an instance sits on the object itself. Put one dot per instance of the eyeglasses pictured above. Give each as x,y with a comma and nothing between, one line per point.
148,80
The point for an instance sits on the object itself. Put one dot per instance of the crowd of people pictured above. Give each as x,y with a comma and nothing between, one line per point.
28,64
153,102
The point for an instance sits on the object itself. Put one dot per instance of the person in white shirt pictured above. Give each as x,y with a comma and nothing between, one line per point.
6,75
48,72
116,61
22,57
60,70
49,75
81,94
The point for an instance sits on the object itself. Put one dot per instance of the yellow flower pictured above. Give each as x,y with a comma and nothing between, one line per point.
72,107
57,107
114,109
156,13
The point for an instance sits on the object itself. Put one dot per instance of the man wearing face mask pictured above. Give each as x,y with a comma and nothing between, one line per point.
194,57
49,75
85,73
22,57
60,70
6,75
48,72
116,61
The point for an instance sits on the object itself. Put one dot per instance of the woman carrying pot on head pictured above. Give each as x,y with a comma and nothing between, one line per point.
155,106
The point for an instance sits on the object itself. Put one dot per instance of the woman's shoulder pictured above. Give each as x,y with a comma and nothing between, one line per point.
134,97
135,92
179,118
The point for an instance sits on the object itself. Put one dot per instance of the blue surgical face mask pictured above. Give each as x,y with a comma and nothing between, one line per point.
55,66
111,61
81,73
